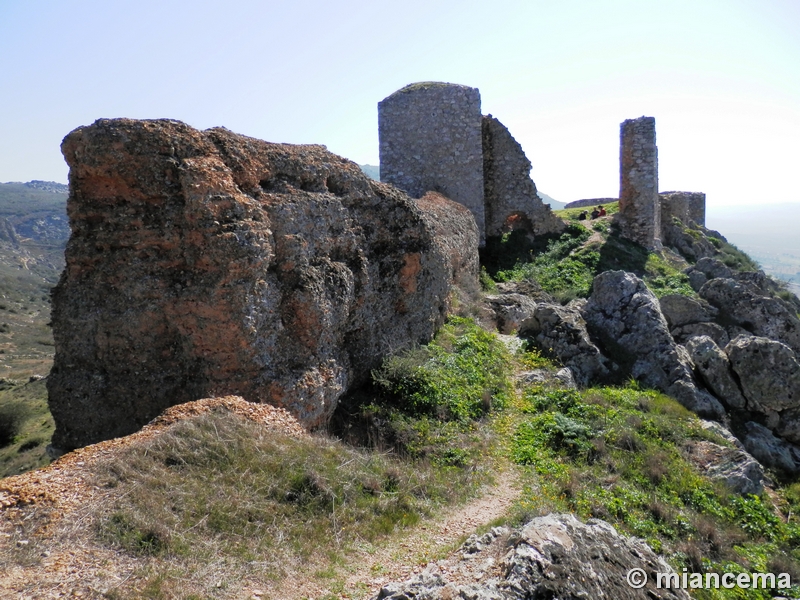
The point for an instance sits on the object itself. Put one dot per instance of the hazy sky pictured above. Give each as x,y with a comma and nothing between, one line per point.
722,78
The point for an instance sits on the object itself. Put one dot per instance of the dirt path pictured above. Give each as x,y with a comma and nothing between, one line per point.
369,568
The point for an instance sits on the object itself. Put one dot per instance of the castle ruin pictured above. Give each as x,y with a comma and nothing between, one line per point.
434,138
644,213
639,210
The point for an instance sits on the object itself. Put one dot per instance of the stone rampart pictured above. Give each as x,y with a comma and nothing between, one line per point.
686,206
430,140
433,139
639,211
511,199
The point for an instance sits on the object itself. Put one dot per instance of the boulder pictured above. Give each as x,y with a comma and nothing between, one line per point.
510,311
562,378
716,332
737,469
205,263
714,369
560,332
712,268
681,310
769,450
769,374
688,242
742,304
555,556
626,318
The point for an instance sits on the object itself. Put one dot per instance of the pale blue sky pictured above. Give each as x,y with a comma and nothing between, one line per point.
721,77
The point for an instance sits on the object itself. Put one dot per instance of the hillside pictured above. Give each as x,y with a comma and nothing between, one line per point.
471,415
33,233
521,407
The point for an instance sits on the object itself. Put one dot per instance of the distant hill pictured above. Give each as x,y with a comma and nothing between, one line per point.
554,204
372,170
33,234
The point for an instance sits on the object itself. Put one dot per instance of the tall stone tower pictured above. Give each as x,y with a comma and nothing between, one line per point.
430,140
639,208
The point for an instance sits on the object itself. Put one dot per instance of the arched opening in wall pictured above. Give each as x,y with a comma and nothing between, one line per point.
517,221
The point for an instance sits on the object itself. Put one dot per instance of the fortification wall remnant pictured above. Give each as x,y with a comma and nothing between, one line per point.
686,206
511,199
433,138
430,140
639,209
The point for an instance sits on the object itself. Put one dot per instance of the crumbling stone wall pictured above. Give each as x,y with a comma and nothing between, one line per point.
686,206
204,263
433,138
511,199
430,140
639,211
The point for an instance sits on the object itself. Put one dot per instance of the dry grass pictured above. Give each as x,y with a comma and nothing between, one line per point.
216,501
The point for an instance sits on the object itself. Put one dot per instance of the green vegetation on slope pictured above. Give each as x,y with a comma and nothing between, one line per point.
565,266
619,454
26,426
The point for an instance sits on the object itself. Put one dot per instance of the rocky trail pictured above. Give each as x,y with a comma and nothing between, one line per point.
369,568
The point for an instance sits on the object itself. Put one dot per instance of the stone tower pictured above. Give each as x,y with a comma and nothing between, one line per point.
639,209
430,140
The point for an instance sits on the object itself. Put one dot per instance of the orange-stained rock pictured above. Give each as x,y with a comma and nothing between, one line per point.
207,263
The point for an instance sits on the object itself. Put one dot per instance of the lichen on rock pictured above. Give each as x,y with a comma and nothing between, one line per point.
207,263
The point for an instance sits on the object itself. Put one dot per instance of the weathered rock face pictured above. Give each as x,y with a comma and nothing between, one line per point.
716,332
560,331
207,263
770,378
742,304
552,557
715,370
737,469
770,451
510,311
510,194
681,310
625,316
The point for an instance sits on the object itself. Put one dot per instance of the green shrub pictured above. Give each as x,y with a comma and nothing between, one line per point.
460,376
618,454
12,416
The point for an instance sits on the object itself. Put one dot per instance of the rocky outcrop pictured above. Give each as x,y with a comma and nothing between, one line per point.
560,332
681,310
743,305
769,450
208,263
626,318
716,332
737,469
555,557
769,374
510,311
714,369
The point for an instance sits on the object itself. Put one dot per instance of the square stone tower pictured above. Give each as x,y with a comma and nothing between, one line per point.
639,209
430,140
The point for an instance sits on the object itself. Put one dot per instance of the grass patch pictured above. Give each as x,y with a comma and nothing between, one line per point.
26,427
616,454
427,403
274,501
